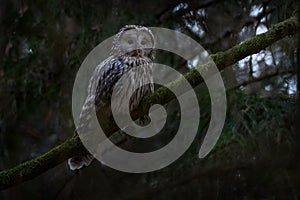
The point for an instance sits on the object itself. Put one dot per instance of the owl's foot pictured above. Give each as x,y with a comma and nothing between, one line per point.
78,162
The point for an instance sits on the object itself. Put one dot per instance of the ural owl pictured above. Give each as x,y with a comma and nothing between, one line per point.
132,48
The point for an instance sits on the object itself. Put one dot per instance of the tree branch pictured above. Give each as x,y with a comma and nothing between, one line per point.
32,168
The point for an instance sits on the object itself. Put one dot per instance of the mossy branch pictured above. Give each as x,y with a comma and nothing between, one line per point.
32,168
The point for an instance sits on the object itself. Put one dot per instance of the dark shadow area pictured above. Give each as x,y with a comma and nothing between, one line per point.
42,46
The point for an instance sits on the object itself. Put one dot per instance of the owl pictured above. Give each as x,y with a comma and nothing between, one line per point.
132,50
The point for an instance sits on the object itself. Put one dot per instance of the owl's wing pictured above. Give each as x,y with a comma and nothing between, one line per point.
100,88
98,77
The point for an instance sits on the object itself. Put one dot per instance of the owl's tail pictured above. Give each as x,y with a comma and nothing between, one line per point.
78,162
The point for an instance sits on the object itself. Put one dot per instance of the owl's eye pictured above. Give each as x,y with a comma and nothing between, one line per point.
130,41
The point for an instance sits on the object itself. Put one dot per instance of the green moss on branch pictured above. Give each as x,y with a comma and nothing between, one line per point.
35,167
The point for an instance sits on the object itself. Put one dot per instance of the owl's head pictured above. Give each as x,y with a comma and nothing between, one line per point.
135,41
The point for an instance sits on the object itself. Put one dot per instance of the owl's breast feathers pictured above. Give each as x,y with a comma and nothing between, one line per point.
136,71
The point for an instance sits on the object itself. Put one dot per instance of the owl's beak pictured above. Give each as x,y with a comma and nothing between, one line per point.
137,51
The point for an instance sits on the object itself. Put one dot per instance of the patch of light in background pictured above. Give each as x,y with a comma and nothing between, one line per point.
268,58
268,88
266,18
247,33
256,58
26,50
264,56
180,6
255,10
193,62
198,60
204,54
195,28
292,86
242,64
261,29
201,12
243,31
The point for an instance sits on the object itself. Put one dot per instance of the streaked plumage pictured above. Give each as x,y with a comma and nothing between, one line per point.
132,49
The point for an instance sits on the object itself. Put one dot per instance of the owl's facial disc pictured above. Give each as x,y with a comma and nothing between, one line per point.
136,42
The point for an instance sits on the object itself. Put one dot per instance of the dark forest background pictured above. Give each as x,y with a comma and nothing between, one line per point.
42,45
